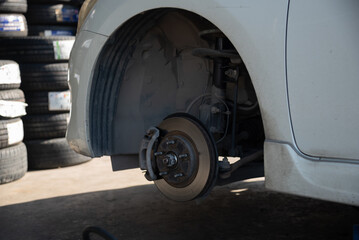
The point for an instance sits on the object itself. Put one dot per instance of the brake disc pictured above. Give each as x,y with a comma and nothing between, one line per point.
186,159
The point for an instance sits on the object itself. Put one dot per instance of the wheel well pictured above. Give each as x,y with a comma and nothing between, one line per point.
147,71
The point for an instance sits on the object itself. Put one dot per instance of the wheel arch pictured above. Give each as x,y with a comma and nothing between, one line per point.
248,47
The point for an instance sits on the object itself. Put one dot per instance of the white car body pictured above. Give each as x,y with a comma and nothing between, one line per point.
303,60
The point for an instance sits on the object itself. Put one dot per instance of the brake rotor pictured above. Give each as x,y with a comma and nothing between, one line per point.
186,159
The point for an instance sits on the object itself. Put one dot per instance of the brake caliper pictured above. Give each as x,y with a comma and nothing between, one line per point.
146,153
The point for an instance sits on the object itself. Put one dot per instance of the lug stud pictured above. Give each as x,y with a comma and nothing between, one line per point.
183,155
178,175
158,154
170,142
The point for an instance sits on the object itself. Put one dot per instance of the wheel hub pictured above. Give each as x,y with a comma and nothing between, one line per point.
180,157
177,159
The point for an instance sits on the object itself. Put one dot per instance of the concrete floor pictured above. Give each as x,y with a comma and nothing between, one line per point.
60,203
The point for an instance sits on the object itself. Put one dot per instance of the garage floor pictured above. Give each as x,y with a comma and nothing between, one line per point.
60,203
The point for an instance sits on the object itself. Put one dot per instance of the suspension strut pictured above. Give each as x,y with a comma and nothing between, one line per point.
225,68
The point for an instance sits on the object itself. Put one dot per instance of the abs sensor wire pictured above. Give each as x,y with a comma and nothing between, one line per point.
96,231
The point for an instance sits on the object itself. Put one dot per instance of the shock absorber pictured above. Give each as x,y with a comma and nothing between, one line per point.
218,66
217,125
215,114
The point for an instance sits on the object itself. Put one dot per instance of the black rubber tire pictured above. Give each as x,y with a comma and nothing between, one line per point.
45,126
13,6
52,14
52,153
33,49
13,163
44,77
38,102
10,71
43,30
4,132
72,2
13,25
12,95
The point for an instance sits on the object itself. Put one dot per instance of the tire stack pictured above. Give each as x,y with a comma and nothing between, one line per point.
13,157
53,18
43,59
12,20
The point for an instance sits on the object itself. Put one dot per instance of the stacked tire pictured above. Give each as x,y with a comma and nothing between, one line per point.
13,156
53,18
12,20
43,59
48,97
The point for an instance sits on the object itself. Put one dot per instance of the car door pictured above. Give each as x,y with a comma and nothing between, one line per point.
323,77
